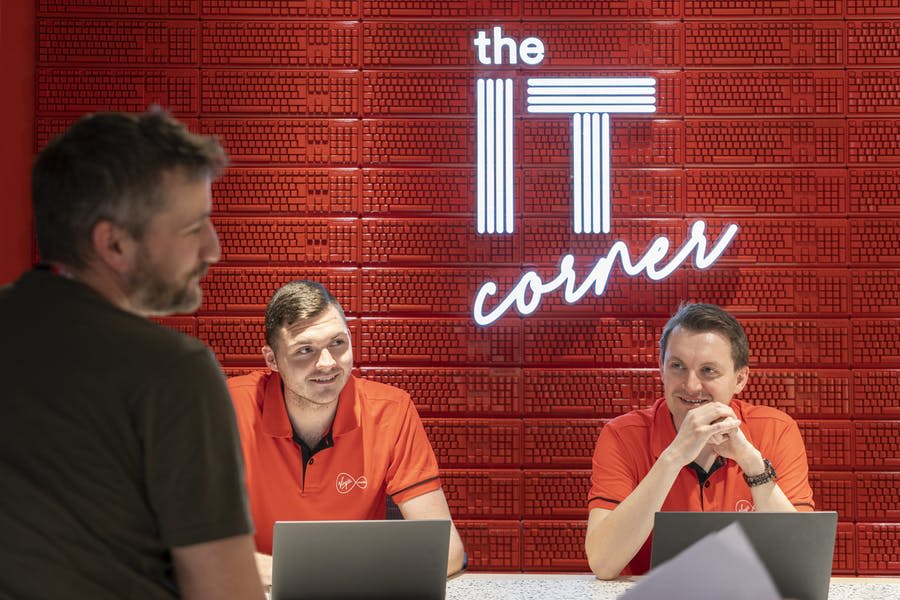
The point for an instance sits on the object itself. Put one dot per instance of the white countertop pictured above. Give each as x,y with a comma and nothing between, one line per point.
528,586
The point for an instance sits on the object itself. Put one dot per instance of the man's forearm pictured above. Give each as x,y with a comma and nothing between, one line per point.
614,540
767,497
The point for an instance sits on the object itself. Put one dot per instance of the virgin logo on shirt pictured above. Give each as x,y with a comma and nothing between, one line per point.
744,506
345,483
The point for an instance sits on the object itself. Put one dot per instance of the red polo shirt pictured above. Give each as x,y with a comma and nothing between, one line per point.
630,444
380,448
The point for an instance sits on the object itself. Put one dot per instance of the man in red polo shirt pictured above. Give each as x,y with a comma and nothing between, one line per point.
320,444
695,449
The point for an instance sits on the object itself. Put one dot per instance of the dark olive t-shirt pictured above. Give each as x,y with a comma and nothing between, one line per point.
117,442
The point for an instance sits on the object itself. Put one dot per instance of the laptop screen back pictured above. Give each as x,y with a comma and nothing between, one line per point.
360,559
796,547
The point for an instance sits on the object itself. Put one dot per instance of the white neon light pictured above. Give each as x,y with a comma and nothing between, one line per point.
530,50
489,153
598,156
527,293
606,177
480,158
587,170
592,81
509,209
495,200
582,108
589,91
600,101
578,196
499,163
590,101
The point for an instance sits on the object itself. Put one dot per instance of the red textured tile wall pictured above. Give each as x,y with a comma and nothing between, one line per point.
351,127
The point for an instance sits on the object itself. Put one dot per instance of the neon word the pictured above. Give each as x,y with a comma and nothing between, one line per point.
531,51
527,293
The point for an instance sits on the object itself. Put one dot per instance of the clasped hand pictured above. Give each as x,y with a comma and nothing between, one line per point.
715,426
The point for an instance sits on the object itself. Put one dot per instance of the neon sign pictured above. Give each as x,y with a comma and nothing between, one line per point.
590,101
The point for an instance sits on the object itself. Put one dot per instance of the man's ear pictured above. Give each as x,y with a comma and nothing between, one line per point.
742,375
113,246
269,356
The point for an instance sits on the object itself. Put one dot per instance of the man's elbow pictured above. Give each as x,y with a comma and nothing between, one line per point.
600,566
457,557
603,572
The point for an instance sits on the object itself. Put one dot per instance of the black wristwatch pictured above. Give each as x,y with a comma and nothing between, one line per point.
766,476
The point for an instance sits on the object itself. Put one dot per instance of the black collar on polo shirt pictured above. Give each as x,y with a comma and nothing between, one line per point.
704,475
307,452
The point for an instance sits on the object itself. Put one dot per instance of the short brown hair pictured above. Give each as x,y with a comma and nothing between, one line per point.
297,300
699,317
111,167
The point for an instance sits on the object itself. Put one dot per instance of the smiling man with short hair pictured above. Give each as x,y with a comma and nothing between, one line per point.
321,444
695,449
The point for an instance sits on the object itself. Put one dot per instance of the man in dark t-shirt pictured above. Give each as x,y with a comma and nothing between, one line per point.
119,459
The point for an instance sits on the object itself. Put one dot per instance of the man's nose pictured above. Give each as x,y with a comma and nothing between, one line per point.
693,384
212,250
325,359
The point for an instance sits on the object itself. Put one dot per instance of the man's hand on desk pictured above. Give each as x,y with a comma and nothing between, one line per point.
264,566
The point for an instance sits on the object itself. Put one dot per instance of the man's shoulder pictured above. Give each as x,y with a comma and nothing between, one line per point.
762,415
637,419
249,381
381,398
381,392
142,341
249,389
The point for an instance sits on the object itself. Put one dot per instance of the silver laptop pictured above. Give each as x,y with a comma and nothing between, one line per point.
796,548
360,559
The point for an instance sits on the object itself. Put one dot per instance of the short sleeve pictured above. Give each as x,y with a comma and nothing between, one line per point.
613,475
792,467
413,468
192,461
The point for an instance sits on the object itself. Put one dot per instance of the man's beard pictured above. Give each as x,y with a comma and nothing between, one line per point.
154,295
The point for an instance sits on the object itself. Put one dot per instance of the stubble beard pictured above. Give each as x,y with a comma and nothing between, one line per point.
153,295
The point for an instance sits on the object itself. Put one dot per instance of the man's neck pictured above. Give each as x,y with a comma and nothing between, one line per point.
104,282
310,421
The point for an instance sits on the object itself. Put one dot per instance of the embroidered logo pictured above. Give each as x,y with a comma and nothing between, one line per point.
345,483
744,506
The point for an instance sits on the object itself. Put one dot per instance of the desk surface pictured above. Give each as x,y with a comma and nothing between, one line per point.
522,586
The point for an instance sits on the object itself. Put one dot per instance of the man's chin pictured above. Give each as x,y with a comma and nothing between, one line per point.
187,301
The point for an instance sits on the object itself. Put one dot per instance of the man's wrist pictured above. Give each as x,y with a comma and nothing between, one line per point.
768,475
671,461
752,464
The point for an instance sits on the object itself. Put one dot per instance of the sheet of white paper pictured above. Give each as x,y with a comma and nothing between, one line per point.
721,565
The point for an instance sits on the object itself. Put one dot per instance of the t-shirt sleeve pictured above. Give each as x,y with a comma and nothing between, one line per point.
792,467
413,470
192,458
612,473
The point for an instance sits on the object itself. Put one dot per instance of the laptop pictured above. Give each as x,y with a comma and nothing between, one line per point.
360,559
796,548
